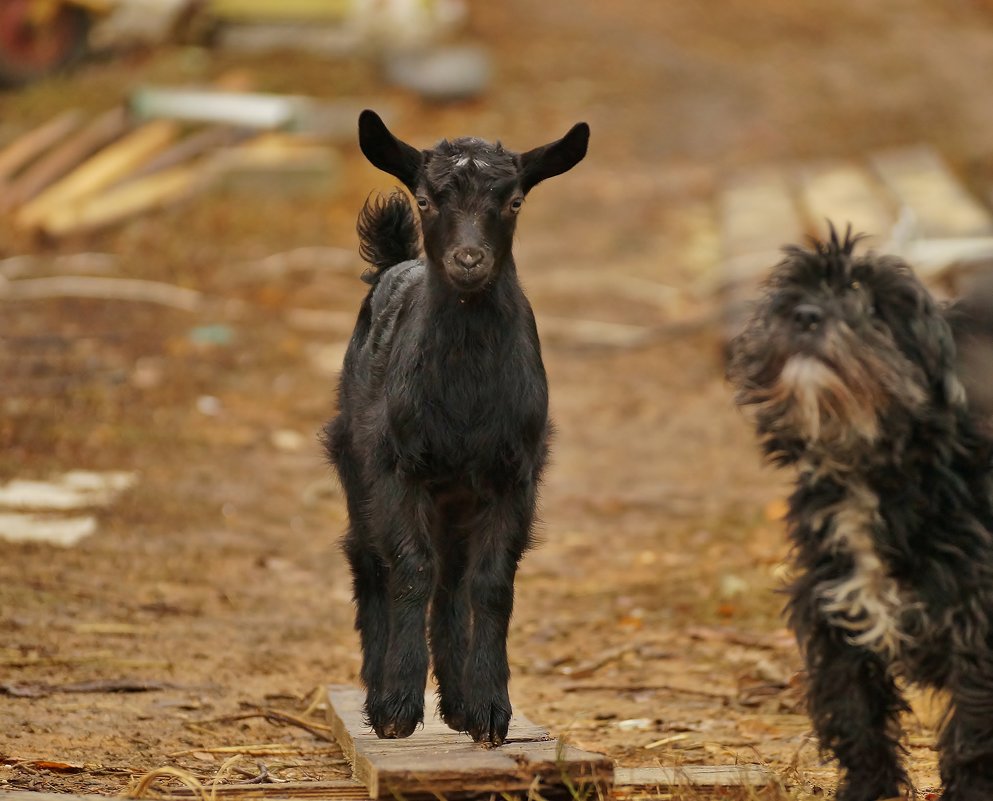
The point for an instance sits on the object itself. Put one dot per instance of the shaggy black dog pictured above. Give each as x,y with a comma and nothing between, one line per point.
848,370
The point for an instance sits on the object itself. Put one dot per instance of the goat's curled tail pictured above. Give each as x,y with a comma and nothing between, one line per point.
387,234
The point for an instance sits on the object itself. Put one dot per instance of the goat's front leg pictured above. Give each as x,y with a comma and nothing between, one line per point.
967,738
497,544
450,630
400,516
854,705
370,588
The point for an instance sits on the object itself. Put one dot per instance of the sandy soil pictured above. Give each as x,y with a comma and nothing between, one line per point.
647,623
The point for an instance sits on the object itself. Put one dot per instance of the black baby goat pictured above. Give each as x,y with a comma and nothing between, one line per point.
442,427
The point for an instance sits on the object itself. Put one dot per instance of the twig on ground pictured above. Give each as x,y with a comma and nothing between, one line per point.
319,730
100,288
661,686
142,787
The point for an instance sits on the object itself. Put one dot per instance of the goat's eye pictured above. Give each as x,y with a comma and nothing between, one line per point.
422,202
516,203
855,284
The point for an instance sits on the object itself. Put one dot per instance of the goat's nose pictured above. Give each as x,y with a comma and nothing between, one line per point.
468,257
808,316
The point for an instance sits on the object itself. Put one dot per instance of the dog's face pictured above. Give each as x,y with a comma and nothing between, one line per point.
842,355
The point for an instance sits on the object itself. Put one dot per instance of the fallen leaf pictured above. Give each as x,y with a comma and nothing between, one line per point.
776,510
55,767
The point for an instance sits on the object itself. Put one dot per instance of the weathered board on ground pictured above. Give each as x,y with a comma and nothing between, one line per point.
758,214
907,200
843,194
345,790
436,761
699,777
942,223
923,183
642,783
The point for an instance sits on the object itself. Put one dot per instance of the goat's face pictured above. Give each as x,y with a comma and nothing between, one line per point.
469,193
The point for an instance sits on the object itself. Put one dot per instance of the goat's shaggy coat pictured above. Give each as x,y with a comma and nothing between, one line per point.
442,427
848,370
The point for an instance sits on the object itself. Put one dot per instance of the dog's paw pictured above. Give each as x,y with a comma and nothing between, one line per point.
394,715
855,790
959,789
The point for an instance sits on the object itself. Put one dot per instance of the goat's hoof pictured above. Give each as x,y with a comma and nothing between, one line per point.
454,720
488,724
394,716
395,730
453,713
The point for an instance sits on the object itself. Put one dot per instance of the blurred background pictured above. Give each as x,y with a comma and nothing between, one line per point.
179,183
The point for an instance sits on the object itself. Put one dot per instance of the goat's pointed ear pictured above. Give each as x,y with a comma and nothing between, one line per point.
556,158
387,152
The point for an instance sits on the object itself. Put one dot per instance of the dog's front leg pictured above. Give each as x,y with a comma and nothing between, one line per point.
855,707
966,742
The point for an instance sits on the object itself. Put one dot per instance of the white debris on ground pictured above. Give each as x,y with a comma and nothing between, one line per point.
29,509
65,531
138,22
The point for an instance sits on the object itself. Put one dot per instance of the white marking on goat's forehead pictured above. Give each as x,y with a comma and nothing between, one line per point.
469,156
463,160
470,151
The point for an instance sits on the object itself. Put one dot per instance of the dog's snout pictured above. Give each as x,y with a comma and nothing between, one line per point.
808,316
468,257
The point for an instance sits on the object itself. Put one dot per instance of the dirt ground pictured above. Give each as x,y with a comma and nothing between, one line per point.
647,623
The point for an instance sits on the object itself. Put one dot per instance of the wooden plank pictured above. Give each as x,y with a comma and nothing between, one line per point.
33,143
697,776
154,191
922,182
342,790
204,141
100,171
845,194
337,789
758,215
259,10
438,761
58,162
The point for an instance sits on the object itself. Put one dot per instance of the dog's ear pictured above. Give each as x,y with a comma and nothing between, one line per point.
933,334
387,152
555,158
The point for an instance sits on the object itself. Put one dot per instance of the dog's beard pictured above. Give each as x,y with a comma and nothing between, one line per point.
818,405
832,395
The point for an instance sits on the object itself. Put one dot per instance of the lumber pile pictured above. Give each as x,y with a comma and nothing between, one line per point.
78,173
909,201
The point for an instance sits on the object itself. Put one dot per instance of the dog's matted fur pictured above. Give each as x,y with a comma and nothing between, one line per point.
847,369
